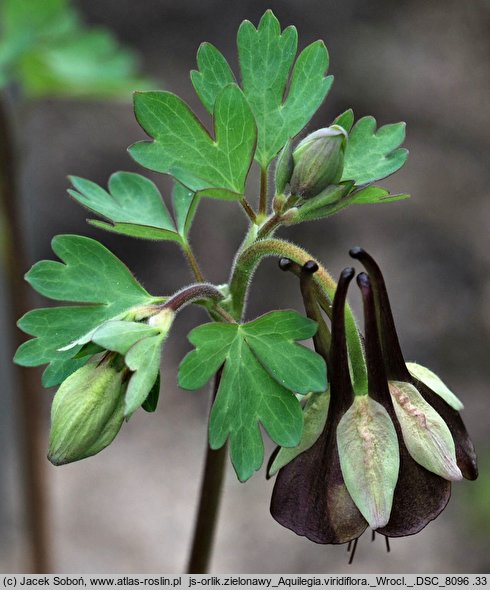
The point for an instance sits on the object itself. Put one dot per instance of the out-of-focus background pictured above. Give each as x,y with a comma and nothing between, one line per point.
131,508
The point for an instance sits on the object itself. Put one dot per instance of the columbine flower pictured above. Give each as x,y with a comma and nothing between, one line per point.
386,456
310,496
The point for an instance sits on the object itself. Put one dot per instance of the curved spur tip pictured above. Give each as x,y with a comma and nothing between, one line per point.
285,263
363,281
347,274
357,252
310,266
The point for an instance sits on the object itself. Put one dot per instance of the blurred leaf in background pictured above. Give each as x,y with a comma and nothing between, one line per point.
47,50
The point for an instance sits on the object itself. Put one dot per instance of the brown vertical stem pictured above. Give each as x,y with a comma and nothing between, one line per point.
263,191
209,502
30,408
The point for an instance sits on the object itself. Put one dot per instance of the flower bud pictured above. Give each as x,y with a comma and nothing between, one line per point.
318,161
87,413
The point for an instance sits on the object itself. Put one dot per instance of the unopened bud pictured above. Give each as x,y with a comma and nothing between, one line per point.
318,161
87,413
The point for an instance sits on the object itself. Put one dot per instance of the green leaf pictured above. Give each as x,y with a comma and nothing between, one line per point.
426,435
90,275
345,120
369,458
50,53
133,205
84,64
58,371
143,358
436,384
375,194
262,367
371,155
183,148
315,417
185,204
151,402
120,336
213,75
266,57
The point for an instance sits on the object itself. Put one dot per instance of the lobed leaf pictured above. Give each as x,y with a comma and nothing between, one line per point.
133,205
371,155
283,98
89,274
262,367
183,148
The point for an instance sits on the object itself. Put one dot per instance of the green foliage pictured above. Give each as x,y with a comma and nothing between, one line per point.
262,367
90,275
133,205
112,319
182,147
266,59
371,155
46,48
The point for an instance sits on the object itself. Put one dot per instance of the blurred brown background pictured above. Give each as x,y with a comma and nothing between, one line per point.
131,508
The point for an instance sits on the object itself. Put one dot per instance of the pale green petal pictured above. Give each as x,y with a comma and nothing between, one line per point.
315,416
434,383
426,435
369,458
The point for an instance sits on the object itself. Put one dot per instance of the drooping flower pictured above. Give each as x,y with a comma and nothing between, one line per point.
386,456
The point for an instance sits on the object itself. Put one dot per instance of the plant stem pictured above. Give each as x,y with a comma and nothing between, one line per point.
269,226
30,407
248,209
264,181
192,260
244,267
209,502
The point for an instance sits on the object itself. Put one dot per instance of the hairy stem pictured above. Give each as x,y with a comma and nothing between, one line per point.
191,259
244,267
209,502
264,182
30,407
248,209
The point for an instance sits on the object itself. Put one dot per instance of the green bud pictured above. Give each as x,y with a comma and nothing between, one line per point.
87,413
318,161
284,167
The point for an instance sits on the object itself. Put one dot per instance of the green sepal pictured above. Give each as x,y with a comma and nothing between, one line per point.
436,384
426,435
369,458
345,120
314,418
